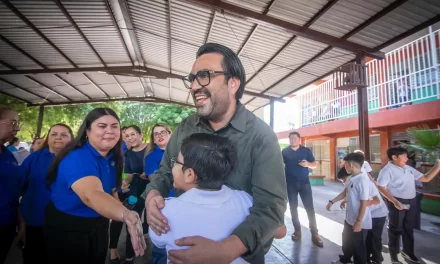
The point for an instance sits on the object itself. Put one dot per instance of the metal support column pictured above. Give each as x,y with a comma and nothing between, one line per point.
362,102
40,121
272,114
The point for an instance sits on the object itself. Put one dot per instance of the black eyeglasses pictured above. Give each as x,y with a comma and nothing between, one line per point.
161,133
174,161
203,78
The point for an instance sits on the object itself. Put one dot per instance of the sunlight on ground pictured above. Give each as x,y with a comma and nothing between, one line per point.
330,230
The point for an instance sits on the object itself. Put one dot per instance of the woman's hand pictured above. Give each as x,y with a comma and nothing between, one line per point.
134,227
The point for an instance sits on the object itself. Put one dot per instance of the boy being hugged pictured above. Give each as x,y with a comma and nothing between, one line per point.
358,218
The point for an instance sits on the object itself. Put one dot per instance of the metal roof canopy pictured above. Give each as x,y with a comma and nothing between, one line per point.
68,52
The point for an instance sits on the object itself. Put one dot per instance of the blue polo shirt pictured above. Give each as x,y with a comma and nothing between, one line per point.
152,163
294,172
82,162
10,186
36,196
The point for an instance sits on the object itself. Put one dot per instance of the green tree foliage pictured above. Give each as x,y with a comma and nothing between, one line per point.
145,115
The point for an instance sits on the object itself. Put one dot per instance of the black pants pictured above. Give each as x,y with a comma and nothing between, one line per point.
305,191
401,224
374,240
73,239
139,208
116,227
353,244
35,249
7,235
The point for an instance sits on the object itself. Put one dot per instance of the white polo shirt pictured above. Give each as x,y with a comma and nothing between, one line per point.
210,214
378,210
358,189
366,167
400,182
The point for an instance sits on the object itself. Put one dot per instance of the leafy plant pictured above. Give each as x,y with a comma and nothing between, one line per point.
424,141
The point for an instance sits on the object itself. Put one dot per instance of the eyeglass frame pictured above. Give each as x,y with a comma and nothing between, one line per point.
196,77
174,161
162,133
14,123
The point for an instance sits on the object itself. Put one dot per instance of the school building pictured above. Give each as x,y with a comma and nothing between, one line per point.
403,92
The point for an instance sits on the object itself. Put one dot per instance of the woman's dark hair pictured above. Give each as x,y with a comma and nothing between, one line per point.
230,64
135,127
15,139
151,144
46,140
81,139
211,157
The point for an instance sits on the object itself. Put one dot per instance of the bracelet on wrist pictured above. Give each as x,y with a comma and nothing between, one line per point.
123,215
330,201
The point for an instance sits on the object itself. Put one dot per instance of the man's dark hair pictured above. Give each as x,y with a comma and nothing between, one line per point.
230,64
211,157
356,158
396,151
294,133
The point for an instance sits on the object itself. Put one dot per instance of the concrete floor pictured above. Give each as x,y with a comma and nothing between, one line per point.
330,224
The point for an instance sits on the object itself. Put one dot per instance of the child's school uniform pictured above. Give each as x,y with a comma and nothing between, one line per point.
353,243
400,182
202,213
379,214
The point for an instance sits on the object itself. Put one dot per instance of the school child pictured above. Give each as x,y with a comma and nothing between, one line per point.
358,218
396,182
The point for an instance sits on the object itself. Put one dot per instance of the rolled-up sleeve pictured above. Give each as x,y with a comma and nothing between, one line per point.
162,179
270,197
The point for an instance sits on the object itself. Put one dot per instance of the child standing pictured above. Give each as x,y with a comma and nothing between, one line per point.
358,218
396,183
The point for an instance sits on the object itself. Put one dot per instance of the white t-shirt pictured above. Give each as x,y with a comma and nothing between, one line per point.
366,167
378,210
400,182
210,214
358,189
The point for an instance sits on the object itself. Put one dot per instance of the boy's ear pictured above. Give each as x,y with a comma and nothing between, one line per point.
394,157
190,176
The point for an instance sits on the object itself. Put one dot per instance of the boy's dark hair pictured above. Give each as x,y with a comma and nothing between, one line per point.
355,157
211,157
396,151
294,133
342,173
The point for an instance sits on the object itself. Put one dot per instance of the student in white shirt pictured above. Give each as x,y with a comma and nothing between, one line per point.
396,183
366,167
208,208
358,219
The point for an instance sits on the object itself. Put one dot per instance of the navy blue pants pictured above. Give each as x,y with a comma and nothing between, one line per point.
305,192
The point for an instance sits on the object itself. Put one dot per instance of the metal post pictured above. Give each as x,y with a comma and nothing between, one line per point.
362,102
272,114
40,121
434,60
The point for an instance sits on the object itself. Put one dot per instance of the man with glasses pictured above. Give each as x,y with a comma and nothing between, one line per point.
216,84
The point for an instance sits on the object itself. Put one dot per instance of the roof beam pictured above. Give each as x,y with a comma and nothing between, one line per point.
296,29
13,96
47,87
120,70
211,26
366,23
23,89
291,40
134,99
96,86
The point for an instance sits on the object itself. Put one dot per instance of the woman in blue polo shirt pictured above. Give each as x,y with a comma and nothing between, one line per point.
35,194
10,181
83,179
159,137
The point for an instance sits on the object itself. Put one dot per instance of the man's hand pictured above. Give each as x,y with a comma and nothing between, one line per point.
203,250
329,206
155,219
343,204
357,226
304,164
398,205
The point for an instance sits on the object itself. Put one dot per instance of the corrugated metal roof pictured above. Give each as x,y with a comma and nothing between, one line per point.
405,17
191,25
